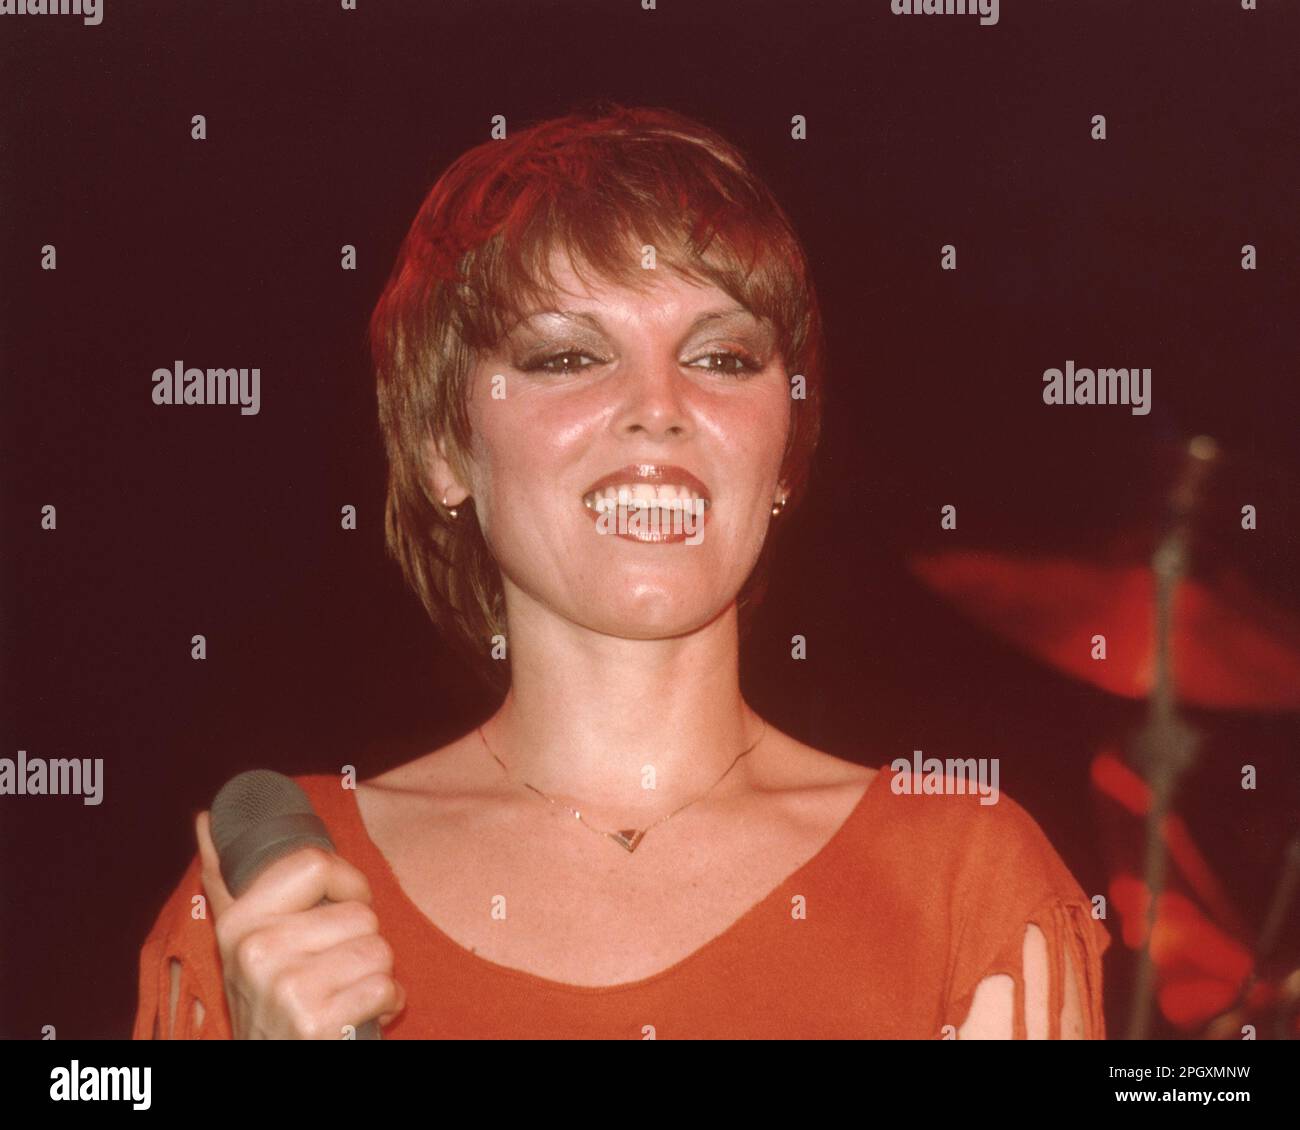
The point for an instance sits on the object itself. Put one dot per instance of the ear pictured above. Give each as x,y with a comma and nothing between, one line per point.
444,479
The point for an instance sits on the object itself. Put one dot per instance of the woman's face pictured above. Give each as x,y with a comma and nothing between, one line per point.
676,387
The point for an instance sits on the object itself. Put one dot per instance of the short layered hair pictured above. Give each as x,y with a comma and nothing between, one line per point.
599,184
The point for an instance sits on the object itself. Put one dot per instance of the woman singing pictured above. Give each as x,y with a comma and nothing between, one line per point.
600,366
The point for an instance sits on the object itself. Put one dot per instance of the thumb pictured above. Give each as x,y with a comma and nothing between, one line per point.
214,886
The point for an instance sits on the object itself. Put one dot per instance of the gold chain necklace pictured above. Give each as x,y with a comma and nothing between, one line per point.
627,838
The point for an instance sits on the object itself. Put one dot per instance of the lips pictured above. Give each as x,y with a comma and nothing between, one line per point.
653,503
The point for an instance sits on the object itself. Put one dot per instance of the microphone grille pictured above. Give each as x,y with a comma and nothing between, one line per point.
250,799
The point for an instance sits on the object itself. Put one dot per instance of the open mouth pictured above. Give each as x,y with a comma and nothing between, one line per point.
649,503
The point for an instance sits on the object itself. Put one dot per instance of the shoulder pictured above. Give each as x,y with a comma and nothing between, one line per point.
961,799
998,894
952,821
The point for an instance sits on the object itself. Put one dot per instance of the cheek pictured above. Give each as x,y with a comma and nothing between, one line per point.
754,433
523,447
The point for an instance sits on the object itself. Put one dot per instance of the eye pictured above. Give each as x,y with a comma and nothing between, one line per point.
725,362
733,363
548,364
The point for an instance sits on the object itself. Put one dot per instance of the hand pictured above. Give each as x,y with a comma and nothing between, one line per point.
294,968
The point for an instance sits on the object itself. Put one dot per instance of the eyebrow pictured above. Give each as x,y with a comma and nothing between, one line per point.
594,321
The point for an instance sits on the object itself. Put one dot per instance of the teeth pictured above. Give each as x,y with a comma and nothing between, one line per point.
637,496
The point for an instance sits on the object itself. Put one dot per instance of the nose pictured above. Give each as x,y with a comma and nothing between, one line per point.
653,400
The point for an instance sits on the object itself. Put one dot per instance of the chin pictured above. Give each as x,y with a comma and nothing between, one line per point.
653,615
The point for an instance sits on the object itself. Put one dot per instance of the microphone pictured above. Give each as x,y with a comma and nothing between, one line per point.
259,817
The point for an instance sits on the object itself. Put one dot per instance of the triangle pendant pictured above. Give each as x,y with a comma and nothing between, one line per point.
628,838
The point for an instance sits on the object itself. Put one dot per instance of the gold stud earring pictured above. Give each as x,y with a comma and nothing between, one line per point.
778,506
451,510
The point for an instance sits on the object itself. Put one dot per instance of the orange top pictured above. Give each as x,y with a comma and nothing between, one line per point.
910,904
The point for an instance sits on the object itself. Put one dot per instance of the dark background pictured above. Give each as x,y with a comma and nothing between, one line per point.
327,127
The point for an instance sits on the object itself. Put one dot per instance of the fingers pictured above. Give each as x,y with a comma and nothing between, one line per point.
315,996
388,1017
376,996
301,880
356,981
318,930
213,886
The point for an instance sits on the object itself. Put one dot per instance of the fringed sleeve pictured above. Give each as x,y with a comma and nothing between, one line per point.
182,934
1075,943
1012,878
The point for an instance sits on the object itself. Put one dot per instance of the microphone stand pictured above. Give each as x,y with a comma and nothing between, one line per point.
1166,744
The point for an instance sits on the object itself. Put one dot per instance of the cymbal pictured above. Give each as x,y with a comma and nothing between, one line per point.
1232,649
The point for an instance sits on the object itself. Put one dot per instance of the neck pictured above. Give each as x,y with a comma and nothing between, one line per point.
636,727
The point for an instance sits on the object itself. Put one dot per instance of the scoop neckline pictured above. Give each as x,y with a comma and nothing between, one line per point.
388,877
